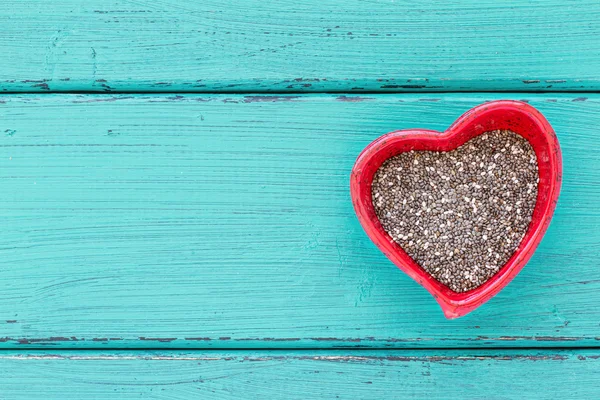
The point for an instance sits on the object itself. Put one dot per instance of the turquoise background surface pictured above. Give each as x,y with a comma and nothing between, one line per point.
175,210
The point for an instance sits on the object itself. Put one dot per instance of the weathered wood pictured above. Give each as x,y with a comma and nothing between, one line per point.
552,374
305,45
225,221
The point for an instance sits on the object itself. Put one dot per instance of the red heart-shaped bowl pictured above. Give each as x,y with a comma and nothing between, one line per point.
516,116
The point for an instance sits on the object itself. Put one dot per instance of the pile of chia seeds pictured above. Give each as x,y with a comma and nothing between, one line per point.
460,214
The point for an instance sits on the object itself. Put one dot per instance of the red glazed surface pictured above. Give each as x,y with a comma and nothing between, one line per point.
520,118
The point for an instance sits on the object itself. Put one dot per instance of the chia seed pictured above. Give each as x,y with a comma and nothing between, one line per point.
460,214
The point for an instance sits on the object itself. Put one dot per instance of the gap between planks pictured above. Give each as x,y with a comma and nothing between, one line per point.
200,350
299,92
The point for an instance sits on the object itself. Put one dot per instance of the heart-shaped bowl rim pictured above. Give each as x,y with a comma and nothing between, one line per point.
516,116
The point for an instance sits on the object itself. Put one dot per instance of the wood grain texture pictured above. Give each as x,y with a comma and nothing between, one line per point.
225,221
302,375
304,45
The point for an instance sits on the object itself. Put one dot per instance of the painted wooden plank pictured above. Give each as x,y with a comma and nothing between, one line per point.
305,45
225,221
507,374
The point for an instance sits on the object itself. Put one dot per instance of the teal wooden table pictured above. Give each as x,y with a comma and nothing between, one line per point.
175,210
